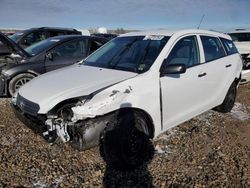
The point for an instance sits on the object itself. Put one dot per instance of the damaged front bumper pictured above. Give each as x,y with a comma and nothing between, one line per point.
81,135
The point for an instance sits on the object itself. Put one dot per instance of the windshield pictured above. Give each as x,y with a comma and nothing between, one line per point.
135,54
16,36
40,46
240,37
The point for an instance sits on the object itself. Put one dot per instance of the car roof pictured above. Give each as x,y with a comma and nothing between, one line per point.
71,37
49,28
176,32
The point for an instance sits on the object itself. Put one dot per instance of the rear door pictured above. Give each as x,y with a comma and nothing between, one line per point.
67,53
217,66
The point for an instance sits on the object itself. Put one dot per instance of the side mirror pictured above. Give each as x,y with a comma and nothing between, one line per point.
49,56
173,69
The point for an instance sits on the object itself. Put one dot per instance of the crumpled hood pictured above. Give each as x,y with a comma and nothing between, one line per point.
51,88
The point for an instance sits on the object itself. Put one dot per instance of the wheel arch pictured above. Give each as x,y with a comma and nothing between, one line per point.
23,72
146,115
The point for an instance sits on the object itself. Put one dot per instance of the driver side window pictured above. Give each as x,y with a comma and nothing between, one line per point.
185,52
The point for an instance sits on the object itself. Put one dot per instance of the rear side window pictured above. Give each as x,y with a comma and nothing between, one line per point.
72,33
94,45
213,48
229,46
56,33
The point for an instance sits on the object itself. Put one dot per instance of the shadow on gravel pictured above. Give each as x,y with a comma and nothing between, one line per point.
139,177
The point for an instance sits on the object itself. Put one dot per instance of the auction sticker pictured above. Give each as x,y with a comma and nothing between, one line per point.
153,37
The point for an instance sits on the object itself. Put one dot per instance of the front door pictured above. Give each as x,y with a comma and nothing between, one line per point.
183,94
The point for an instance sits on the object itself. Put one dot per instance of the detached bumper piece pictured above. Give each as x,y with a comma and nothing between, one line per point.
3,87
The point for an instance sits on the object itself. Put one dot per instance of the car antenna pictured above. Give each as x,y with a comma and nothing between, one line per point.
201,21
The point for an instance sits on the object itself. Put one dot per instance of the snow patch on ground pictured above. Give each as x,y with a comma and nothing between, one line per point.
40,184
239,112
44,183
165,137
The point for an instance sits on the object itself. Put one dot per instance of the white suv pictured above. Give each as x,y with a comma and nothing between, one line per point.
241,40
131,90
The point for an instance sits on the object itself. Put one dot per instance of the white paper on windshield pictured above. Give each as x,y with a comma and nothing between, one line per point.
54,40
153,37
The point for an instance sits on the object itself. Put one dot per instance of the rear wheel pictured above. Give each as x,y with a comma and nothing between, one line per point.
18,81
229,100
125,143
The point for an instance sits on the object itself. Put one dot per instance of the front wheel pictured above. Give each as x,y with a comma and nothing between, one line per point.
18,81
125,143
229,100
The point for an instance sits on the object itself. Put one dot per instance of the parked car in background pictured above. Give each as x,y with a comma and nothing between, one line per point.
28,37
44,56
108,36
241,39
132,89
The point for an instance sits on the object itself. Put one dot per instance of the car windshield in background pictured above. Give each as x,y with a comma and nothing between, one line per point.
134,54
40,46
240,37
16,36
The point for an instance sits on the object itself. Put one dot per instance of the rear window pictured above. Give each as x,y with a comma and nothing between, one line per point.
229,46
213,48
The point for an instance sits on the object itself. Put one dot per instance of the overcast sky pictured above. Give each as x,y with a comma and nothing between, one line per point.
131,14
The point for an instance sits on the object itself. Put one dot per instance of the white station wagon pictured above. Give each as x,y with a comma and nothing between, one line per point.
132,89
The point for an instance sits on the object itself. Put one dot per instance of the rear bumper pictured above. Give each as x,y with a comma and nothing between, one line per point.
3,86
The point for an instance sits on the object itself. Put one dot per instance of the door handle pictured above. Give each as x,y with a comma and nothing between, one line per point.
201,75
228,65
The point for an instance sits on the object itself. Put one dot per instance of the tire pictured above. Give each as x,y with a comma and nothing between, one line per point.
125,143
18,81
229,100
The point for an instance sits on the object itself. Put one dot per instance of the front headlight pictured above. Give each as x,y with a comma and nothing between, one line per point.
65,106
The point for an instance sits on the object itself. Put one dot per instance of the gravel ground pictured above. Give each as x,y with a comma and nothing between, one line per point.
211,150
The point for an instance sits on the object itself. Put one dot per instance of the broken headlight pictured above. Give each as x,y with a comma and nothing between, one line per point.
63,109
